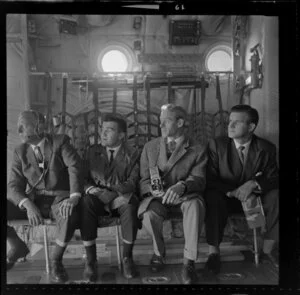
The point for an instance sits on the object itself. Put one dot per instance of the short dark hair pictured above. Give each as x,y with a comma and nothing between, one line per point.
122,124
251,112
179,111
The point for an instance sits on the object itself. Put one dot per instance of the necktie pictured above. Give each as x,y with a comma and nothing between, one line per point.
38,154
171,147
111,158
241,153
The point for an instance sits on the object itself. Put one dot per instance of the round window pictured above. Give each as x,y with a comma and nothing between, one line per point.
219,59
115,58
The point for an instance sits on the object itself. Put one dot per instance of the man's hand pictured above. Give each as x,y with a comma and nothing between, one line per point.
173,194
245,190
104,195
33,213
67,206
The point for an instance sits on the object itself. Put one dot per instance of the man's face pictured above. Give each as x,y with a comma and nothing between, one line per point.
27,132
110,135
168,124
239,126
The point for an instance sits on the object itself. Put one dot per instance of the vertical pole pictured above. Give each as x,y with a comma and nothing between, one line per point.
115,96
148,104
169,75
25,75
118,246
46,249
255,247
49,103
203,85
64,102
135,111
219,99
96,110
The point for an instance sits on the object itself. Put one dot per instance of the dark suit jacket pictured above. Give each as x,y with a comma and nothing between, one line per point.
122,175
63,173
225,171
187,163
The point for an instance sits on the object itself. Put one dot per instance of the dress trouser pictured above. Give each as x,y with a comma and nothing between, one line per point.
92,208
193,217
64,227
219,207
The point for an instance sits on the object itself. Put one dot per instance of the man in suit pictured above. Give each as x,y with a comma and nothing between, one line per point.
111,181
239,165
45,182
181,163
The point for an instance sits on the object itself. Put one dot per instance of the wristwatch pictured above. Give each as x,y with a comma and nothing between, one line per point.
184,185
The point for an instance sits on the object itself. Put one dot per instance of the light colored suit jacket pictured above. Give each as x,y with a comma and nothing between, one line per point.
187,163
63,173
122,175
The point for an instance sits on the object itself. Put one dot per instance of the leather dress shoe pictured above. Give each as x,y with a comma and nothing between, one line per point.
17,251
128,268
269,258
188,274
58,272
213,264
156,263
90,272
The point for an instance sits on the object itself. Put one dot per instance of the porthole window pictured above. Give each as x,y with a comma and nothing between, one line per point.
115,58
219,59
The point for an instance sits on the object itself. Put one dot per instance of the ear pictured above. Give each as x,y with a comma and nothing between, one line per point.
180,123
252,127
121,136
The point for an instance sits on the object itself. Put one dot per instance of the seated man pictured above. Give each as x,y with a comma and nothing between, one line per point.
50,168
239,165
111,173
181,164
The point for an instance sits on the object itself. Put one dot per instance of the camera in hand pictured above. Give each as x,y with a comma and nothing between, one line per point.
156,182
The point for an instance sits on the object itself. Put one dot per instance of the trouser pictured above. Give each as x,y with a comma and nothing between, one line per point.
193,217
92,208
64,227
219,207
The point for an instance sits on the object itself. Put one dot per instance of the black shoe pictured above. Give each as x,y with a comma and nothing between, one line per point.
269,258
58,272
18,250
213,264
189,274
129,271
156,263
90,272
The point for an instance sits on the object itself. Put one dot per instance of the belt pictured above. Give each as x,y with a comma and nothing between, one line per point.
44,192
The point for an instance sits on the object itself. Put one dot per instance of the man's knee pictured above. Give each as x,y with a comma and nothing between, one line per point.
194,205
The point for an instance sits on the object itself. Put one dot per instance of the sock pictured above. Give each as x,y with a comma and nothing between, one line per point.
58,253
91,254
127,250
268,246
213,250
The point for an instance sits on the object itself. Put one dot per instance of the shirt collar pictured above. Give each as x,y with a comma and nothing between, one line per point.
177,140
246,145
40,144
116,149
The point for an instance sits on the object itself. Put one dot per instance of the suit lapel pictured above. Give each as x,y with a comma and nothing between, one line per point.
161,155
48,150
177,155
32,160
252,159
234,161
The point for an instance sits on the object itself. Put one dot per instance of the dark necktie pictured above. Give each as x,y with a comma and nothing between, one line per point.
38,154
171,147
111,158
241,153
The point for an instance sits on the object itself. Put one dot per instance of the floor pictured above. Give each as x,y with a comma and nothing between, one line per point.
234,273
